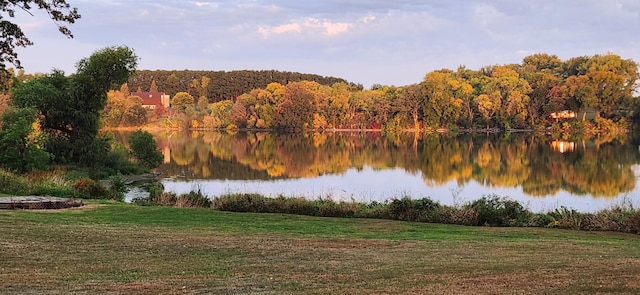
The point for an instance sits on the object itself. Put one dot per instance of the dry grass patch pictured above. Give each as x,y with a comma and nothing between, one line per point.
136,250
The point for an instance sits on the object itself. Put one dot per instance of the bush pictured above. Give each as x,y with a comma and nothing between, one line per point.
193,199
12,184
240,203
633,223
329,208
497,211
565,218
424,210
118,189
20,142
90,188
374,210
462,216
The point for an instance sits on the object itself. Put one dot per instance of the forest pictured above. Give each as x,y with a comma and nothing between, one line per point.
218,85
586,93
582,93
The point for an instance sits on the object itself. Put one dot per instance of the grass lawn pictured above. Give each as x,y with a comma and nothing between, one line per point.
128,249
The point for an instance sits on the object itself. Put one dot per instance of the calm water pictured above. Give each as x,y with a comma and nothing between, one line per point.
532,168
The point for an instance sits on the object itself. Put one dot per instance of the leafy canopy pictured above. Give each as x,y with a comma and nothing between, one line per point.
70,107
13,36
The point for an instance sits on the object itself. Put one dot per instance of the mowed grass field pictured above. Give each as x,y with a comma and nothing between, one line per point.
117,248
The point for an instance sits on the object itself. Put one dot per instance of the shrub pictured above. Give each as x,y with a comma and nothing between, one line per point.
462,216
12,184
90,188
299,206
374,210
240,203
118,189
498,211
424,210
20,143
565,218
329,208
193,199
633,223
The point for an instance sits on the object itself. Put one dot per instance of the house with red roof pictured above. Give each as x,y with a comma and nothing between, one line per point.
153,100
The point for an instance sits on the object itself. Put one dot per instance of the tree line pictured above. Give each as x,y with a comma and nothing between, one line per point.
597,91
217,85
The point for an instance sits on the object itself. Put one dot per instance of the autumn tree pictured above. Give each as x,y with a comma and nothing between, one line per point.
488,105
296,110
338,107
514,96
182,101
220,116
411,102
153,87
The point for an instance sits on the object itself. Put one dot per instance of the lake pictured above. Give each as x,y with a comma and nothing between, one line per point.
533,168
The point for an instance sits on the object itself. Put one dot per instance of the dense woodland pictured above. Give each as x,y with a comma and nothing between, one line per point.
598,89
218,85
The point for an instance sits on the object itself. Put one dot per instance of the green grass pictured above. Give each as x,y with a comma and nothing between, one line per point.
115,248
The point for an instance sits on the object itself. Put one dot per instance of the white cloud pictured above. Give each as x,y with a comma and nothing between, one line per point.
307,27
203,5
368,18
329,28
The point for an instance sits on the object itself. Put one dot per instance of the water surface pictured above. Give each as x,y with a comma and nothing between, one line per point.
535,169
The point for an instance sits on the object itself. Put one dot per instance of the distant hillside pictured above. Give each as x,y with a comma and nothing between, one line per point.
223,85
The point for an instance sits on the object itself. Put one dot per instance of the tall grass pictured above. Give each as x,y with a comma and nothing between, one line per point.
37,183
487,211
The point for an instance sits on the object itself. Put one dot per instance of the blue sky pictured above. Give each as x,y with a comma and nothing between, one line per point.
384,42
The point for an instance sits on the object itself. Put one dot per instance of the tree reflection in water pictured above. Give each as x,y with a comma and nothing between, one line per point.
532,163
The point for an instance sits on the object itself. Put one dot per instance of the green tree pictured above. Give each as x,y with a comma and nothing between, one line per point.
145,149
220,115
182,101
4,104
514,95
70,107
13,36
173,84
20,143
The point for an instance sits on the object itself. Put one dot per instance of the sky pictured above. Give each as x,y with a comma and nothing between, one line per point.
367,42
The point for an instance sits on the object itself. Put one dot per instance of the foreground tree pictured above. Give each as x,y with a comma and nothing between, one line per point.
70,107
13,36
19,142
